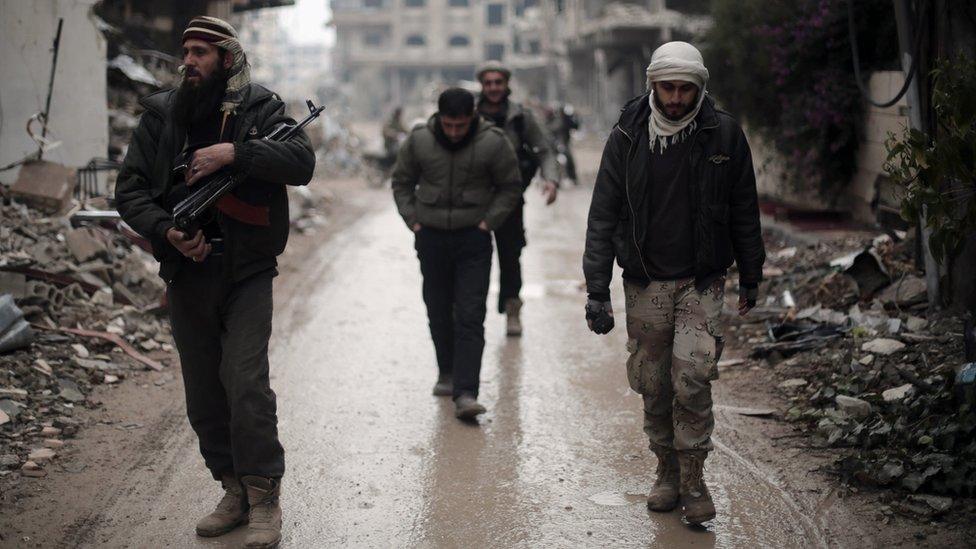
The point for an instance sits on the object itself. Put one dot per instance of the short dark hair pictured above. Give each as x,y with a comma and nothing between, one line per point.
455,102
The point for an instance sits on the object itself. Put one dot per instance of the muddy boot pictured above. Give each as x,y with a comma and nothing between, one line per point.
230,512
513,324
467,407
264,518
444,386
696,502
664,494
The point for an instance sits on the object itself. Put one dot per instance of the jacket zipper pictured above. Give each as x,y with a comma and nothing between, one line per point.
630,204
450,192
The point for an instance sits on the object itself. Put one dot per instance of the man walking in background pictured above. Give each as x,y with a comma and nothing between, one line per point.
219,279
531,144
456,179
675,203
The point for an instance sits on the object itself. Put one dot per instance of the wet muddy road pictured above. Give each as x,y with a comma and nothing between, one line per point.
374,460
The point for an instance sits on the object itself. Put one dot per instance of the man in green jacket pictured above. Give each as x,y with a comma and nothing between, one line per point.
456,179
219,279
531,143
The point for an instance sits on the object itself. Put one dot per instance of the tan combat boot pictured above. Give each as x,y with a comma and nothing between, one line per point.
695,499
664,494
230,512
264,518
513,324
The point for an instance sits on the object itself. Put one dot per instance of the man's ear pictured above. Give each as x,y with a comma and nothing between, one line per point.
228,59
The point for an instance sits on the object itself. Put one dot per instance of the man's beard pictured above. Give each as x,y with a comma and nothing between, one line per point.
684,112
195,103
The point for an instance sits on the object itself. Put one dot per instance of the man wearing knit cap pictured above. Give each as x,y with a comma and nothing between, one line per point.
675,204
219,279
531,143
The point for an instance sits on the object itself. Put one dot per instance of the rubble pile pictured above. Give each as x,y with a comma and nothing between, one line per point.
864,367
90,298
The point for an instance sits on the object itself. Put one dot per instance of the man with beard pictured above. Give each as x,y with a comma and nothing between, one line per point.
531,143
219,280
674,202
456,179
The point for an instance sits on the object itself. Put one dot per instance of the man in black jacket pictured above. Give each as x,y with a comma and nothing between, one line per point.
675,203
219,279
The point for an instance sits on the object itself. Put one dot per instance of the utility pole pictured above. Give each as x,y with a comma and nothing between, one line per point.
906,41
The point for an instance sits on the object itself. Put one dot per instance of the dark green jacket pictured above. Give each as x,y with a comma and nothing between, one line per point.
145,181
453,190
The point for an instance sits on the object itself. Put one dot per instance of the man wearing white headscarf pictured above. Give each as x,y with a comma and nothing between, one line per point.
675,204
219,280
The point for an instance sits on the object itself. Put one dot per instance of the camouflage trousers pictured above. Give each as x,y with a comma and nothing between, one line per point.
675,339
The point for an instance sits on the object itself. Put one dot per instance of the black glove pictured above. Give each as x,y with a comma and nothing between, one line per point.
751,295
599,316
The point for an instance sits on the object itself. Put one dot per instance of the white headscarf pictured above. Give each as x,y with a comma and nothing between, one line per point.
674,61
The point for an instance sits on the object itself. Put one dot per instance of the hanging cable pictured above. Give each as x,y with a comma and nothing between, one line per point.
855,56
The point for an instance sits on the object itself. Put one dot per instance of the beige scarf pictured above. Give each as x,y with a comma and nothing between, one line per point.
674,61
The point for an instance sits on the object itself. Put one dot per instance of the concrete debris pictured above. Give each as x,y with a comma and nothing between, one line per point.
852,406
883,346
87,243
70,391
898,394
44,185
52,443
4,418
891,389
9,460
41,455
32,469
905,292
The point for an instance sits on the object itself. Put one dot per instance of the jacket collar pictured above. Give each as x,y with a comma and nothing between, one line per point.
637,111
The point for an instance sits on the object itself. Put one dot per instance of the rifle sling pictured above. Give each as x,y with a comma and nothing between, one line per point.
237,209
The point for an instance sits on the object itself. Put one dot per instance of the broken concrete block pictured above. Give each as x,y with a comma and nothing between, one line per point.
41,455
52,443
9,460
103,297
916,324
44,185
86,243
11,408
898,393
49,432
883,346
907,291
70,391
4,418
32,469
867,360
80,350
869,272
14,284
852,406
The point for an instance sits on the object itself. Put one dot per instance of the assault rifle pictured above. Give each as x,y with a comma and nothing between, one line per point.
188,212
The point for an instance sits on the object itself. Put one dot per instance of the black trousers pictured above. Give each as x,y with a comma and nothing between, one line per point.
221,331
510,239
456,266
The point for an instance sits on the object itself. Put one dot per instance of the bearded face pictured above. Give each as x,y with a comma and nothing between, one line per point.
675,98
204,83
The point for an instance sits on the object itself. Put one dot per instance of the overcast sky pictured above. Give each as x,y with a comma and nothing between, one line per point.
306,21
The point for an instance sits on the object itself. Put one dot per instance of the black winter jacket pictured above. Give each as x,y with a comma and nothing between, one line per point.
145,181
725,207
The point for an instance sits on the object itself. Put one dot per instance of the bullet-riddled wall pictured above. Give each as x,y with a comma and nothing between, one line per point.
79,114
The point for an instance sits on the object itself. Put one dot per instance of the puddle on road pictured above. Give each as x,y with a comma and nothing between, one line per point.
617,499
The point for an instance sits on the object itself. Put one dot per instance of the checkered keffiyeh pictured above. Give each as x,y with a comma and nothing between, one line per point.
221,34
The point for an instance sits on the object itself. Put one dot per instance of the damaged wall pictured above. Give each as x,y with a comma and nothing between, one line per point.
79,114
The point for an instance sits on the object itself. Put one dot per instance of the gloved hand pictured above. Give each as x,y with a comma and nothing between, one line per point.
747,298
599,316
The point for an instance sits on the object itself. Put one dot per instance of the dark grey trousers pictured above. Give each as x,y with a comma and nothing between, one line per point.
222,331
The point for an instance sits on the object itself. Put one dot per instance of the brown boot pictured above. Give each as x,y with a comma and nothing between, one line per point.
664,494
264,518
230,512
695,499
513,324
